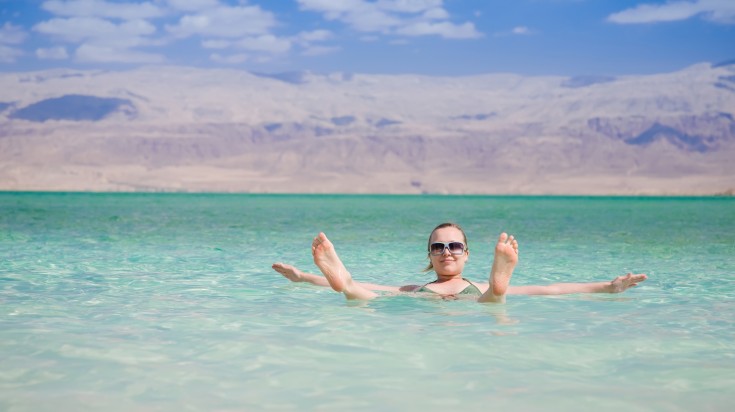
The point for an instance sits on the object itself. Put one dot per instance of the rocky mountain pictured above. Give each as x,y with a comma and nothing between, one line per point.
184,129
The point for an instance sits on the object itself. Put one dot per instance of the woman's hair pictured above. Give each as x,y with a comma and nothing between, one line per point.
442,226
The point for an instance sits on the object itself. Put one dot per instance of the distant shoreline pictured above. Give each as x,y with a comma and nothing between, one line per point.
726,194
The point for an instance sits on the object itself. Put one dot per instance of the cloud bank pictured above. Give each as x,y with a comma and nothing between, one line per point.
107,31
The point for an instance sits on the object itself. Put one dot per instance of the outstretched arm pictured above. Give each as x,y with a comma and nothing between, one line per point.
617,285
294,274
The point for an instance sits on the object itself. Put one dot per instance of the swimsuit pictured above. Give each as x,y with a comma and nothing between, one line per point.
471,289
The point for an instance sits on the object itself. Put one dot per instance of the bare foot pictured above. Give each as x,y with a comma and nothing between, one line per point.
622,283
289,272
506,258
326,259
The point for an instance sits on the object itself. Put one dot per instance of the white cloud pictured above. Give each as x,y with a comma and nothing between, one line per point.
102,30
245,28
516,31
101,40
265,43
435,14
231,59
402,17
369,19
98,31
115,30
306,38
216,44
192,5
111,31
332,8
316,35
53,53
444,29
102,8
12,34
229,22
75,29
369,38
722,11
408,6
319,50
102,54
9,54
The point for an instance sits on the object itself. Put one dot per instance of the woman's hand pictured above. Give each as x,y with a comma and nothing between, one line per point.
623,283
289,272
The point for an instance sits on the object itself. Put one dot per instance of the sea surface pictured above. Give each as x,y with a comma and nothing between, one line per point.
167,302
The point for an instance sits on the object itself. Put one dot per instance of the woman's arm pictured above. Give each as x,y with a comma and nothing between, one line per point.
294,274
617,285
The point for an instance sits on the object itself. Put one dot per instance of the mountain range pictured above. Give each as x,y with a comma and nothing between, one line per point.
211,130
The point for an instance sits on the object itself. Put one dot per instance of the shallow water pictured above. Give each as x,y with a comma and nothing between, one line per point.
163,302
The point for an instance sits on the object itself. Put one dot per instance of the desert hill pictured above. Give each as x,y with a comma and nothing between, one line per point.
185,129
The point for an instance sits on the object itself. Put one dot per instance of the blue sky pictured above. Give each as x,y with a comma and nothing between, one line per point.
432,37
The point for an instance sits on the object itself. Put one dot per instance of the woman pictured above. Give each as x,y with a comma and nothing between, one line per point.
448,253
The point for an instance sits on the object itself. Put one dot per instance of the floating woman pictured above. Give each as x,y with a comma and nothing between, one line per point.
448,252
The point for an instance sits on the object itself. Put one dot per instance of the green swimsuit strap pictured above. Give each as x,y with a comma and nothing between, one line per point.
425,289
465,290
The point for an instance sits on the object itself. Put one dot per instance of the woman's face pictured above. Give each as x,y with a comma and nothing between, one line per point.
447,264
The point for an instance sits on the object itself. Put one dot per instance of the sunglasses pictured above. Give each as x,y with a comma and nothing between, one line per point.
455,248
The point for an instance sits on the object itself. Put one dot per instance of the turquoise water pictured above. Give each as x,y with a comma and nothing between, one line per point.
167,302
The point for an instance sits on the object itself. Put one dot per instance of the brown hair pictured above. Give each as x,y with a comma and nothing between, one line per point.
442,226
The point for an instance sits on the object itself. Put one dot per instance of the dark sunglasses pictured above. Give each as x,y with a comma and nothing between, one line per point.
455,248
